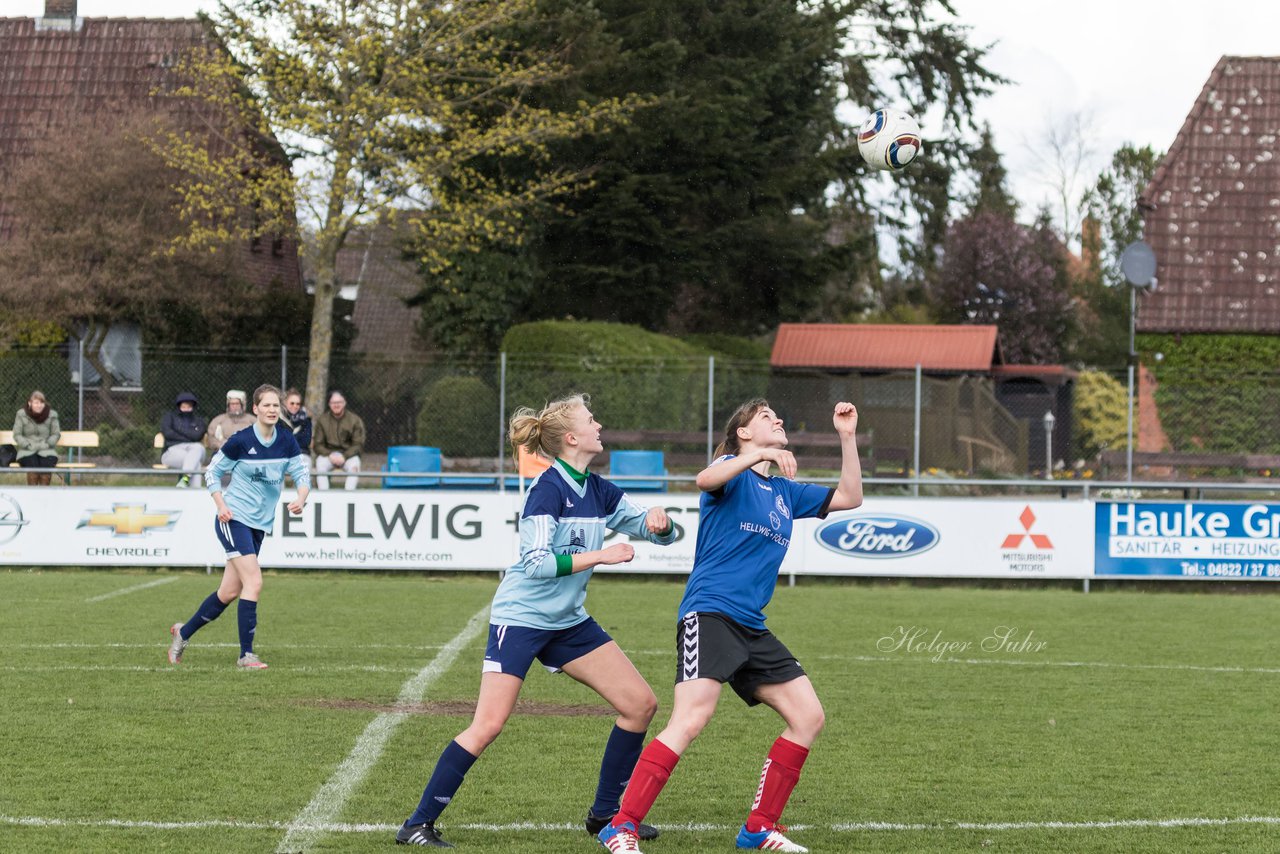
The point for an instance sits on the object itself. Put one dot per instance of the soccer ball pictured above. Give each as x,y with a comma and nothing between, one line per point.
889,140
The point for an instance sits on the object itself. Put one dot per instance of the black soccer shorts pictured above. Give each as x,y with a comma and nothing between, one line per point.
712,646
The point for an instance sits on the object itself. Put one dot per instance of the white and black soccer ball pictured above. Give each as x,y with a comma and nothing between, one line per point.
889,140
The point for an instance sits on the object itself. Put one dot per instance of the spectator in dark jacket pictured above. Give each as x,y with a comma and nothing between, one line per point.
183,431
295,415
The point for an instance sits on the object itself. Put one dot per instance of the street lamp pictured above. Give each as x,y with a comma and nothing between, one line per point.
1048,444
1138,263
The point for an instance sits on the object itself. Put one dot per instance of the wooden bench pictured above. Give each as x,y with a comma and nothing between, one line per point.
72,440
1177,463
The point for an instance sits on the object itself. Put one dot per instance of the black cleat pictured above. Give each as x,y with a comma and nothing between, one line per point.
595,824
421,834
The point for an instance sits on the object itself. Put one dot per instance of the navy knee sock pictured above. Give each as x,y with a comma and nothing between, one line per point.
248,615
210,609
620,755
452,766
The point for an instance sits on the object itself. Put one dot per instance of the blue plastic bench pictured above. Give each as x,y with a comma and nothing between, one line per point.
411,458
649,463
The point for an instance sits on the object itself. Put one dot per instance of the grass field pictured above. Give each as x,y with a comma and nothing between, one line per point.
1116,721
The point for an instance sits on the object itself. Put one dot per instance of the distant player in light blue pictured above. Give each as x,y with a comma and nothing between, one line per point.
744,530
537,612
257,458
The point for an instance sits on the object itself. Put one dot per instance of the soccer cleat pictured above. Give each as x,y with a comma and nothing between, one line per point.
767,840
421,834
249,661
595,824
621,839
177,645
183,481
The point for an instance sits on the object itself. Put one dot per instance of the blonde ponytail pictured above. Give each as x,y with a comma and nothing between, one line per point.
543,433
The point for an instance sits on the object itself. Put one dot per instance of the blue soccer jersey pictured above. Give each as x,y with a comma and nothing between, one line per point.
563,517
743,533
257,472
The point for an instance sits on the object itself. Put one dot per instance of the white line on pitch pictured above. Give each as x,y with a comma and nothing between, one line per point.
308,825
133,589
140,668
375,668
346,647
842,827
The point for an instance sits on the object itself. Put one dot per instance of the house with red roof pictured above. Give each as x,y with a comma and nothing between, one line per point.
1213,209
1212,217
977,413
59,69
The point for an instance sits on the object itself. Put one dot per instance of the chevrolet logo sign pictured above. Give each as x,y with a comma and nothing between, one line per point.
131,520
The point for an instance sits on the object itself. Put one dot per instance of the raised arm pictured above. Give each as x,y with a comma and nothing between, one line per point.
719,473
848,493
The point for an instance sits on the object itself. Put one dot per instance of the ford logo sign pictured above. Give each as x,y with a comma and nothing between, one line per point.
878,536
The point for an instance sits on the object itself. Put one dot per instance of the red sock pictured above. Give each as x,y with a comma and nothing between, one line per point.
780,775
653,768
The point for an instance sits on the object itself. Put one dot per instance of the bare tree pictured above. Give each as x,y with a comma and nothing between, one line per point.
1063,156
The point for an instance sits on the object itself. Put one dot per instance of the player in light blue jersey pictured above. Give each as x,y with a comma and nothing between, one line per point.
538,612
257,458
743,533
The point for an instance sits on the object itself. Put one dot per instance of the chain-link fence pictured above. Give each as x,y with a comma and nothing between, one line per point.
1061,424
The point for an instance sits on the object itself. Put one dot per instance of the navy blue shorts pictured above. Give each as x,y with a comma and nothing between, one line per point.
512,649
237,538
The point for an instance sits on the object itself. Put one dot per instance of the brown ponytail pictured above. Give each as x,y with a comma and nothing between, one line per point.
741,416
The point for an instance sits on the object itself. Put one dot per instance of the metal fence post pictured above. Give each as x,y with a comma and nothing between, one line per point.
80,388
502,423
1128,447
284,367
711,406
915,485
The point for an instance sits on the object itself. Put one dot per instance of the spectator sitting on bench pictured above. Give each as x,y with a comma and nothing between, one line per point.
183,429
338,440
295,416
35,434
226,424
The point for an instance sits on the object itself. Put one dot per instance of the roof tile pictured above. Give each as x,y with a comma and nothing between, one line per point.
1215,222
885,347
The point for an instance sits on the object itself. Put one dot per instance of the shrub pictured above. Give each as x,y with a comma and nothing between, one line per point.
637,379
1216,392
1100,413
459,416
130,445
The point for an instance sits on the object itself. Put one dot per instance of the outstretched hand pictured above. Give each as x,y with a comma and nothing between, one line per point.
845,419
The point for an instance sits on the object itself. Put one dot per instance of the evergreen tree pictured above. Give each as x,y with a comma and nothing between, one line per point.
735,198
990,195
1113,220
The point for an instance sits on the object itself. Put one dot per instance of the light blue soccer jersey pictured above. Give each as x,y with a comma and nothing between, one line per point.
744,529
562,517
257,474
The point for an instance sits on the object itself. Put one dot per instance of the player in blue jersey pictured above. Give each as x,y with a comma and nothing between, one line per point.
257,458
537,612
743,533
